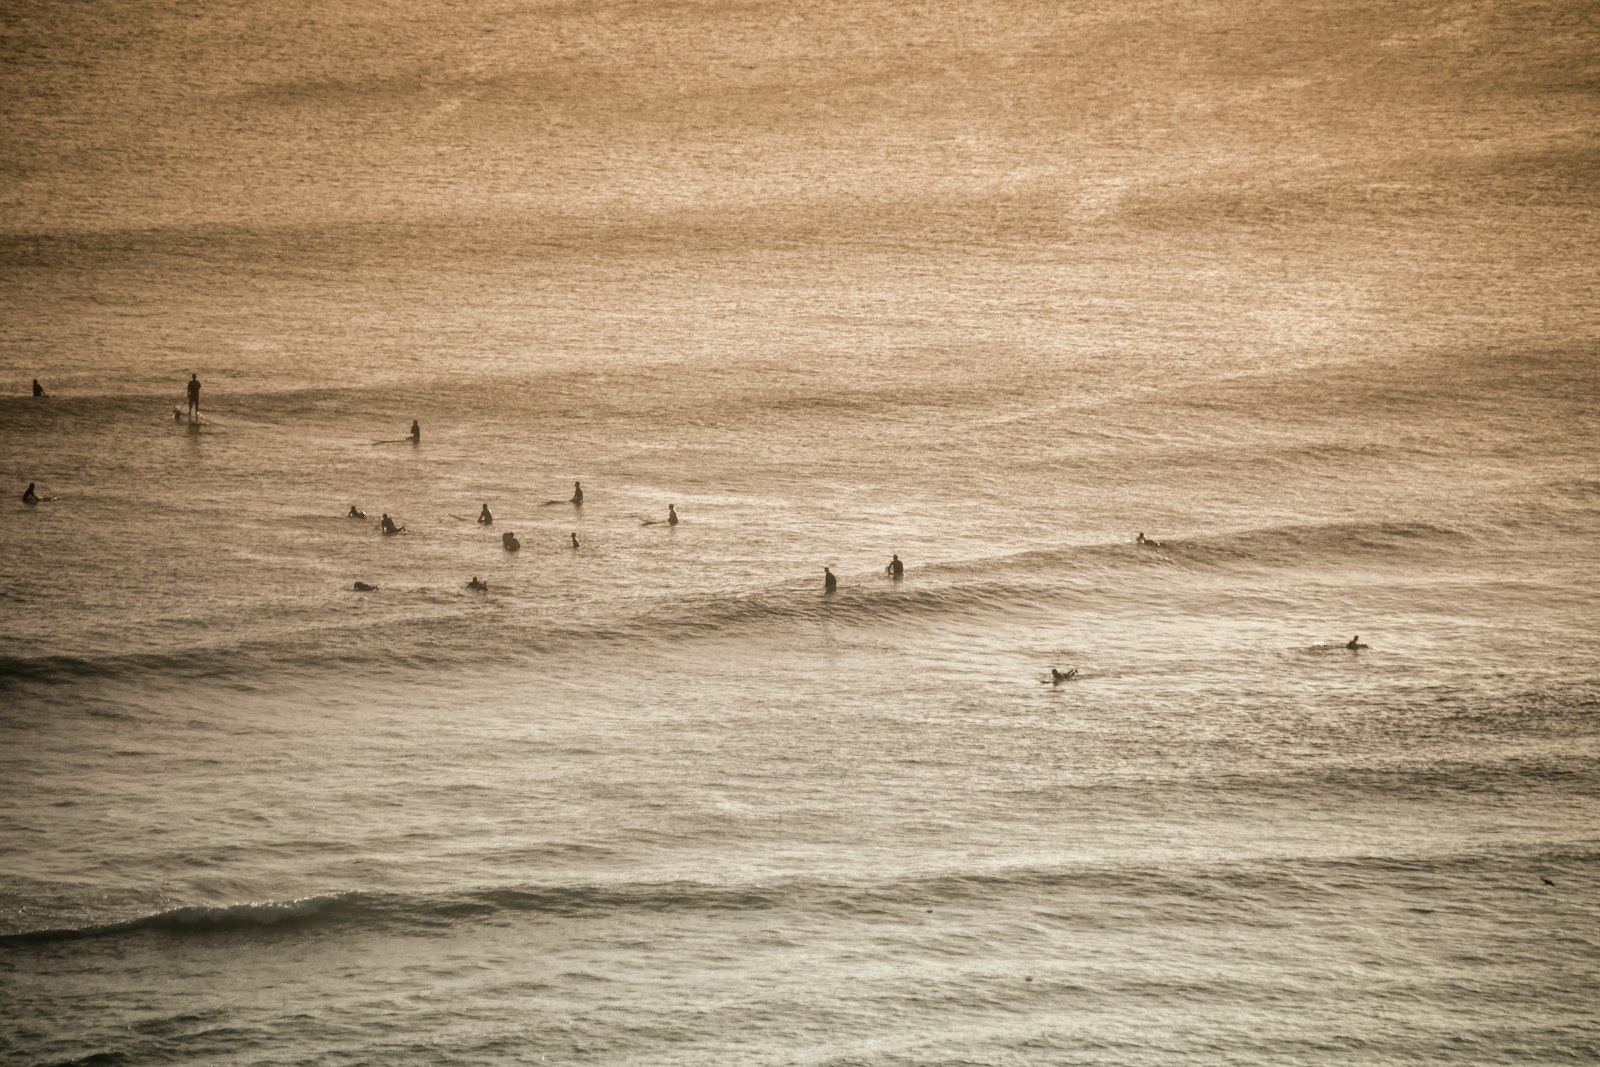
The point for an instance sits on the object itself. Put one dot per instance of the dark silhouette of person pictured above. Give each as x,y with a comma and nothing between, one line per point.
485,517
363,587
509,541
355,513
38,390
1354,643
829,582
29,496
574,539
416,433
1057,677
477,585
672,514
577,493
895,569
389,527
194,395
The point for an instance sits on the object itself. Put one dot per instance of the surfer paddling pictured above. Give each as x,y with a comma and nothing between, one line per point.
1143,540
1057,677
355,513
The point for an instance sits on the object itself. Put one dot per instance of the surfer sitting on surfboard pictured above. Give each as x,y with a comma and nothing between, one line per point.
575,498
509,542
485,517
355,513
389,527
29,496
416,433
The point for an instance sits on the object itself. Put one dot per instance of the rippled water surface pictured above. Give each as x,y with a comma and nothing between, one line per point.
1303,292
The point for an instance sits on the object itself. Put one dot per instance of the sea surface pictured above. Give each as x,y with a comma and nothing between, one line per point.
1304,291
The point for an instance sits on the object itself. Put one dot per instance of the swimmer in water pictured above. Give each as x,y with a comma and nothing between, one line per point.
416,433
389,527
1056,677
1354,643
895,569
829,582
509,542
363,587
484,516
355,513
477,585
29,496
574,539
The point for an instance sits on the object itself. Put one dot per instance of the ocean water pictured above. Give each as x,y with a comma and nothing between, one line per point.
1305,292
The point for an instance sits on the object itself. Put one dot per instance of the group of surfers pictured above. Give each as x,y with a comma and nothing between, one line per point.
895,569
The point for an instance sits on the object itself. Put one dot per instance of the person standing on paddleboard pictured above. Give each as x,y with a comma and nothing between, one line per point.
194,395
